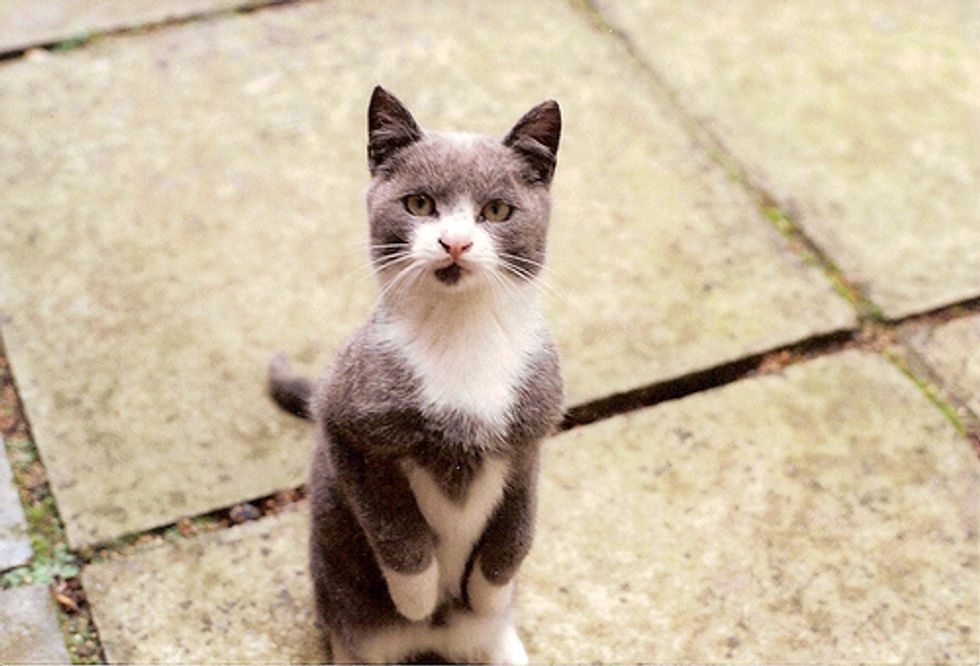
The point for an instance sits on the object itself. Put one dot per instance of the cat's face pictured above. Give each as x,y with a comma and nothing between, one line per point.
454,212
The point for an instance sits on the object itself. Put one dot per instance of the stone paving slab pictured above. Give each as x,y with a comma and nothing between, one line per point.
25,23
237,596
952,351
182,204
826,514
15,546
29,631
862,118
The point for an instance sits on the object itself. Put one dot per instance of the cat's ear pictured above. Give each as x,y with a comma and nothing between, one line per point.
535,138
390,127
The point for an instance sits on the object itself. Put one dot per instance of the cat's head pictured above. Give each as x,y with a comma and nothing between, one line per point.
454,212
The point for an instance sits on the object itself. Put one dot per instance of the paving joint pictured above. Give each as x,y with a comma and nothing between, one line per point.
190,527
697,381
876,336
53,563
917,368
81,39
800,244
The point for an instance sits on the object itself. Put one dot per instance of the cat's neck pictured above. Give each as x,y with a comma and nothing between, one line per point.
445,318
468,349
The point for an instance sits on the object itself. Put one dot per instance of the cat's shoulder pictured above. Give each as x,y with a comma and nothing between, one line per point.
365,373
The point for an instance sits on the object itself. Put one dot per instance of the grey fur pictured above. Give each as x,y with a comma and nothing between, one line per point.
367,409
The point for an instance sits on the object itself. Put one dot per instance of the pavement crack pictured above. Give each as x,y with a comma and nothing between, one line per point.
697,381
79,39
880,337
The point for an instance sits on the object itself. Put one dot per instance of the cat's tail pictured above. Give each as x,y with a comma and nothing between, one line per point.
291,392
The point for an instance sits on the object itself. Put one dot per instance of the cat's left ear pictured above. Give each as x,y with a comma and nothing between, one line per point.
535,138
390,127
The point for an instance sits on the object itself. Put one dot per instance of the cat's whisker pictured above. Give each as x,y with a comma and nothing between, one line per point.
388,246
507,286
544,268
379,265
355,247
537,281
526,260
385,262
367,249
527,263
392,287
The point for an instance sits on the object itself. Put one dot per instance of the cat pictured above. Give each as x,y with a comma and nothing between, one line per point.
430,419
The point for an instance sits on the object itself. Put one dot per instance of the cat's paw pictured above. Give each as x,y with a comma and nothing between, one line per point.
415,595
509,649
485,597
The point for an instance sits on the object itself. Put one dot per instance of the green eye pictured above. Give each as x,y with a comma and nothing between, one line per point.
420,205
496,211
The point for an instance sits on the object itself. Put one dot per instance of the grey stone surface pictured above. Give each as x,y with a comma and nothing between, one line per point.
237,596
862,118
180,205
29,631
952,351
15,546
823,515
25,23
827,514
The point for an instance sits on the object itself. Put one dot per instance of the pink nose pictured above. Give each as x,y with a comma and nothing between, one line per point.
455,247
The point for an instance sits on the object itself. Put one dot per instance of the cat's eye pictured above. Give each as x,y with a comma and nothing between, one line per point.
496,211
420,205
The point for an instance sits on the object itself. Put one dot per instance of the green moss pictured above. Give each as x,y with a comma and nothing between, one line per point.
74,42
81,637
53,560
811,255
929,390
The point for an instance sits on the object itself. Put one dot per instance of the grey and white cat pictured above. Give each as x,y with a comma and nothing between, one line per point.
429,421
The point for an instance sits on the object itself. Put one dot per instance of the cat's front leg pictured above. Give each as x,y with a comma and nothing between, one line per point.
486,597
505,543
415,595
403,543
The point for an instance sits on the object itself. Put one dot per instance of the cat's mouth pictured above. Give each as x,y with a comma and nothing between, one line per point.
449,275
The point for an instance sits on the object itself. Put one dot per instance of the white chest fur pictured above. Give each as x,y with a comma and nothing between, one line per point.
470,354
458,525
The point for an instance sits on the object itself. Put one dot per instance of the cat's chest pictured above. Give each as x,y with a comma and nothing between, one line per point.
473,365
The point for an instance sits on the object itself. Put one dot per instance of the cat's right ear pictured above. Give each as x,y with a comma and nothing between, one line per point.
390,127
535,138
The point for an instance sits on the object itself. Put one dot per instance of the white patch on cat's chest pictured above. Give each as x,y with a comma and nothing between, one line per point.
470,354
458,526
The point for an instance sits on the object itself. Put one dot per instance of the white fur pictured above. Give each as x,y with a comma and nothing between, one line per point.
457,526
508,649
471,351
465,638
485,597
415,595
